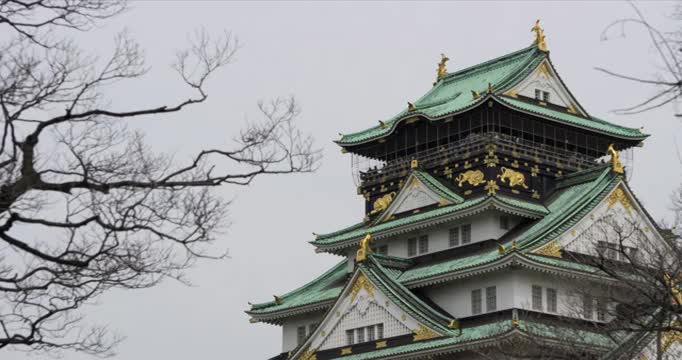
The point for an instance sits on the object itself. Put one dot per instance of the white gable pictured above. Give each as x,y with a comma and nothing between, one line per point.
414,195
618,216
362,304
545,79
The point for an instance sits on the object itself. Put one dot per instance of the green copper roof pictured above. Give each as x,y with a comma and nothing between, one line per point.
491,331
592,123
357,232
326,287
452,94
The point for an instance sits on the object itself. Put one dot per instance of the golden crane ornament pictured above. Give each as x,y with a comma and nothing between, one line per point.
539,36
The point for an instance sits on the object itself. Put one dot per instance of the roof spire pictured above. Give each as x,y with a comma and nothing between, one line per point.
442,71
539,36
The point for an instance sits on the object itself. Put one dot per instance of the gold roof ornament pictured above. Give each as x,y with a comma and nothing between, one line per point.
382,124
616,165
539,36
552,249
442,71
414,164
382,203
278,300
454,325
490,88
364,248
475,94
411,106
423,333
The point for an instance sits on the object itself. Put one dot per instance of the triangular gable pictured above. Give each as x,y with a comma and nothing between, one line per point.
369,300
545,78
620,205
419,190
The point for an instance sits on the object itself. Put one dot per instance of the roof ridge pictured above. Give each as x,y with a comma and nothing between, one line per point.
482,65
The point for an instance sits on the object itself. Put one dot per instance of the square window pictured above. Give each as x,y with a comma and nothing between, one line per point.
300,334
454,237
588,307
545,96
491,298
538,94
350,337
537,298
551,300
370,333
466,234
411,247
423,244
360,333
476,306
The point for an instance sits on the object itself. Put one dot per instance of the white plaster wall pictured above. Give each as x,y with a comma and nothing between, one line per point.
289,329
455,297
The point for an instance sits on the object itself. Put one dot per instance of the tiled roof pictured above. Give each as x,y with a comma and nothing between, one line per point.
452,94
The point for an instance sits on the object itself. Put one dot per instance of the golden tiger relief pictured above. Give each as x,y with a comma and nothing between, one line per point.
473,177
515,178
382,203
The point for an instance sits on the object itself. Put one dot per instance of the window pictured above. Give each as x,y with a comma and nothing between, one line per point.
350,337
601,310
491,298
311,328
545,96
300,334
537,297
476,306
505,222
411,247
383,250
423,244
551,300
367,333
538,94
466,234
587,306
454,237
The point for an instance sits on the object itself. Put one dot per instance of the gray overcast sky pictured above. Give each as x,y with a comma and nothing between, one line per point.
349,64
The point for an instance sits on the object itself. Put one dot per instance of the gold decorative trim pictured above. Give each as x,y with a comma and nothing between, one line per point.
473,177
442,71
364,249
619,196
362,283
515,178
539,36
475,94
411,106
424,333
616,165
669,338
414,164
552,249
308,355
346,351
381,344
534,171
382,203
492,187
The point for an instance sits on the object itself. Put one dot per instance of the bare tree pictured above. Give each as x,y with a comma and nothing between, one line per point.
85,204
667,83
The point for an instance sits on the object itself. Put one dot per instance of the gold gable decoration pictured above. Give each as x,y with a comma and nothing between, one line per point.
670,337
619,196
473,177
308,355
552,249
424,333
382,203
362,283
514,177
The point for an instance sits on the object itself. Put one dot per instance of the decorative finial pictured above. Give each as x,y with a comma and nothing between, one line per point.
514,247
414,164
501,249
364,248
475,94
411,106
539,36
616,165
442,71
278,300
382,124
454,325
490,88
